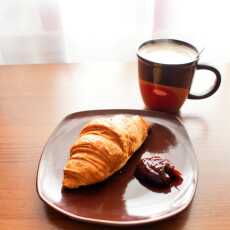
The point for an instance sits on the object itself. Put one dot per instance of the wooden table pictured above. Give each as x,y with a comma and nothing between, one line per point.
34,98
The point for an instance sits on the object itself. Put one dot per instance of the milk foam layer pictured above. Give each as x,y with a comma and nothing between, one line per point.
167,53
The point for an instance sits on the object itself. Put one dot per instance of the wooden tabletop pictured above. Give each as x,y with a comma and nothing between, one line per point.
35,98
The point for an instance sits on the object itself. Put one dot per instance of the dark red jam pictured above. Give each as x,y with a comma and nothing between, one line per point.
157,173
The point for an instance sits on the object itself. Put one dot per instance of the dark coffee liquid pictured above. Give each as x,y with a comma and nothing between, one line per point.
163,98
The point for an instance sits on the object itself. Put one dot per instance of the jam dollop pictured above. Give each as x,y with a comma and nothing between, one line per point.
157,173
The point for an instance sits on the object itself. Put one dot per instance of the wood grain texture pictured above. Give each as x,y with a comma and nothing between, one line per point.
35,98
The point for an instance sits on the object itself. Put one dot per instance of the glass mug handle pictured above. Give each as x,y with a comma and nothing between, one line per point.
215,86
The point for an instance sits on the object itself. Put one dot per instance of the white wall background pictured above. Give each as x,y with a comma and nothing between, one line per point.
204,23
41,31
37,31
106,29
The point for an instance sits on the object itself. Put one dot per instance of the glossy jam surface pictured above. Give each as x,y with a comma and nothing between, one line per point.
156,172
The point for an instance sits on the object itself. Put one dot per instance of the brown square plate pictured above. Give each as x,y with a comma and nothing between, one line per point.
121,199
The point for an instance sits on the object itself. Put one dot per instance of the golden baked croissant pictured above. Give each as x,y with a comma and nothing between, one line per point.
104,147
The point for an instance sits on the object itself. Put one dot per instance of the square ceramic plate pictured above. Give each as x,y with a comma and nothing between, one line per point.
121,199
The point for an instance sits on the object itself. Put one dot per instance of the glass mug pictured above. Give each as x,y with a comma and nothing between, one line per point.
166,68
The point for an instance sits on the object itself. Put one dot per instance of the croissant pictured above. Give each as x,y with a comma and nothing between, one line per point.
104,147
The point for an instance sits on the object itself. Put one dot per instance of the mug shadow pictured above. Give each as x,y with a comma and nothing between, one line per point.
160,139
191,124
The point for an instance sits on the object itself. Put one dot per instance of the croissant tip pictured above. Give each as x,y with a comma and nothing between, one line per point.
69,181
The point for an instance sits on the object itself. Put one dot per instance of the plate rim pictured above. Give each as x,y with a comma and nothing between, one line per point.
115,222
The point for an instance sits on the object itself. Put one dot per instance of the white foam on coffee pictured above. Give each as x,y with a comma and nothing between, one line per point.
167,53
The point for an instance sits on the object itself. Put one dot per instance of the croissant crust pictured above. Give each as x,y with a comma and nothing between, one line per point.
104,147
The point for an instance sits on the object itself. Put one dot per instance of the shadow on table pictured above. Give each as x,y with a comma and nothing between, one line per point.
196,127
59,221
